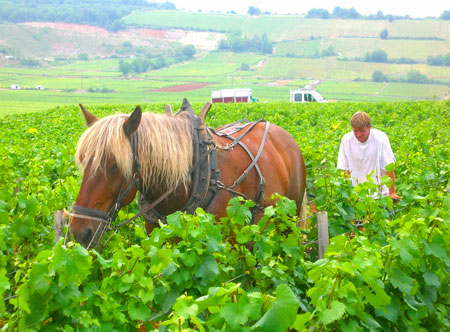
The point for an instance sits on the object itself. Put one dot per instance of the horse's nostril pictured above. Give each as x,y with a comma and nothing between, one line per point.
87,237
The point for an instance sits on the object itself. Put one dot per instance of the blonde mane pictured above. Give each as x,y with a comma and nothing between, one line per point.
165,149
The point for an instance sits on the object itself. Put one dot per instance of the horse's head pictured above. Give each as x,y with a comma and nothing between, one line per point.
107,155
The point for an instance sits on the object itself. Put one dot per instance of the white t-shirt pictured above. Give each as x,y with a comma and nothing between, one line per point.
360,159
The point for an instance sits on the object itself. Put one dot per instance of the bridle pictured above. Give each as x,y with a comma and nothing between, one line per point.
106,218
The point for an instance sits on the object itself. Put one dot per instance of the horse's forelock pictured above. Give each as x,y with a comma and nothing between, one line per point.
103,140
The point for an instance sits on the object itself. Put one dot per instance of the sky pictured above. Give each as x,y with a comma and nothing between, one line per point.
415,9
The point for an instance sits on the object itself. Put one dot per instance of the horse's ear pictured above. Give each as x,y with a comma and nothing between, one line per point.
133,121
168,110
186,106
89,117
204,112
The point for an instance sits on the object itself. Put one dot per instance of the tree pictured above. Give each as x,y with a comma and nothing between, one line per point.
415,76
376,56
377,76
253,11
188,51
344,13
83,56
380,15
125,67
318,13
445,15
245,66
384,34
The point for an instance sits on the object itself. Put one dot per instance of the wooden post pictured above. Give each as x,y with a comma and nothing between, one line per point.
59,224
322,225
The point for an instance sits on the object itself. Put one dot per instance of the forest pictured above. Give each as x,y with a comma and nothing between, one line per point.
92,12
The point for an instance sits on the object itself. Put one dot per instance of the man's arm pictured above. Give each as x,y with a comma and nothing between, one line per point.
392,193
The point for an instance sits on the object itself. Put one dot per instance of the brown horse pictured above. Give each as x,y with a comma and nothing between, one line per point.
155,155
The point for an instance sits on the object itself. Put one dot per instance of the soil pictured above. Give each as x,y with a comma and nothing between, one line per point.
182,88
200,39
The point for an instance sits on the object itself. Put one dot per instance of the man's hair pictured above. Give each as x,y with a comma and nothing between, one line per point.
360,120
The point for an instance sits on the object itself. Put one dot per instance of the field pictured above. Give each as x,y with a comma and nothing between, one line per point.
298,42
285,27
358,47
73,83
194,275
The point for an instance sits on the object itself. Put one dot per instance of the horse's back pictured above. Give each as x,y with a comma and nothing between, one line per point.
280,162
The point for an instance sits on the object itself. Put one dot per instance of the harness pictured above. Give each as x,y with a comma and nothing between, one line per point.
235,127
204,172
205,178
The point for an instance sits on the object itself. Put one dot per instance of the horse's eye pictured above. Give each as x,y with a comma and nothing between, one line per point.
114,168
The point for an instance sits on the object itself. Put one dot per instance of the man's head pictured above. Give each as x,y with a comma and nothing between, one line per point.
361,126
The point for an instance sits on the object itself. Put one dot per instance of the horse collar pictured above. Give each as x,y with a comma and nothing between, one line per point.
204,174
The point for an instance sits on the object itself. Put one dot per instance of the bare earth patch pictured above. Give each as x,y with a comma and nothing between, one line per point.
182,87
281,82
200,39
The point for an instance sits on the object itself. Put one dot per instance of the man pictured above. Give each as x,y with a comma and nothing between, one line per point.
367,150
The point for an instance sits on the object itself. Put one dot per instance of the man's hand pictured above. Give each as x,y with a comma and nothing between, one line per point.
394,197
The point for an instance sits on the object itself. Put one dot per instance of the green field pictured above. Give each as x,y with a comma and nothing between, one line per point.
70,83
358,47
285,27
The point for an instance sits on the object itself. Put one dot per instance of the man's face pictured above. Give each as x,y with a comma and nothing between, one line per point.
361,134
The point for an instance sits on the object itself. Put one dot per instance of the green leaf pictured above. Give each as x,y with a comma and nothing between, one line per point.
336,311
301,320
431,279
23,295
39,278
161,260
351,326
73,265
391,311
189,258
244,235
184,308
400,280
208,269
238,210
282,313
138,311
407,249
4,281
436,248
237,314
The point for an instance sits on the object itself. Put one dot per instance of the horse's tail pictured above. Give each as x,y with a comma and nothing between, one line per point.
303,212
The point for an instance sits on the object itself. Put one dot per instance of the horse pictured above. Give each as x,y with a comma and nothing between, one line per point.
175,162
